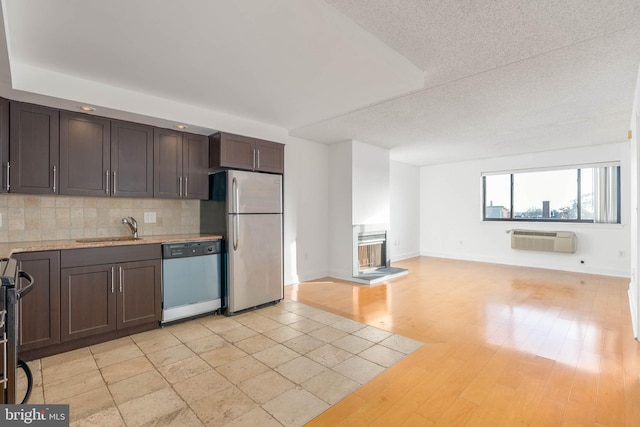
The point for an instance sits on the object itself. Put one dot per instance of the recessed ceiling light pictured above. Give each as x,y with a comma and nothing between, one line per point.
87,108
181,126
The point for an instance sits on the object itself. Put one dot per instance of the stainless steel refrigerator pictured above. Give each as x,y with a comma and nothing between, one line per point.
246,207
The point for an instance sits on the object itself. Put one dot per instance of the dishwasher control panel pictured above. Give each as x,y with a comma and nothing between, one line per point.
189,249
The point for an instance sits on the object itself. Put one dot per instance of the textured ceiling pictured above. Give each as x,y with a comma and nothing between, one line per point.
566,98
435,81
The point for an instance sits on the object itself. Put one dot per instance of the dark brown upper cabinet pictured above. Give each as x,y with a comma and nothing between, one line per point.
167,165
100,157
241,152
131,159
33,149
269,156
85,154
4,145
195,166
180,165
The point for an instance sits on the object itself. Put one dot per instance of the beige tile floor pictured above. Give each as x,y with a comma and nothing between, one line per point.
280,365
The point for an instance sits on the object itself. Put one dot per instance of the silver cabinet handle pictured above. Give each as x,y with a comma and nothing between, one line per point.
54,178
108,176
113,273
258,155
186,186
254,158
180,183
121,278
8,186
115,183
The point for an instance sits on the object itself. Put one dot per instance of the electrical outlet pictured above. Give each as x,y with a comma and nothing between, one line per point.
149,217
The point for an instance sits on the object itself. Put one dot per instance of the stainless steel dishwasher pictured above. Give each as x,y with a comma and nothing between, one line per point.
191,279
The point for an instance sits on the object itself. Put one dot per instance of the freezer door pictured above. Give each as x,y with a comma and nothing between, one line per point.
255,260
251,192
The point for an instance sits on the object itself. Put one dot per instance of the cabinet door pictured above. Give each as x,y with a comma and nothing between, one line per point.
84,154
139,293
4,145
131,159
39,310
232,151
88,301
195,155
167,151
33,149
269,156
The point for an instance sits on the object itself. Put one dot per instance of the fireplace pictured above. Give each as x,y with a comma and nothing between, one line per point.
372,251
369,248
371,263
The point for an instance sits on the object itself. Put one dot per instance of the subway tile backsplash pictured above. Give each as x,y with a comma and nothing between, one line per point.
27,218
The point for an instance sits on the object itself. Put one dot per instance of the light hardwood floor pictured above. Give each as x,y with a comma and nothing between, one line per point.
504,346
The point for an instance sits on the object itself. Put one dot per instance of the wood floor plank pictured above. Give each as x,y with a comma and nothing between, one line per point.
416,420
457,414
549,413
610,402
577,415
505,345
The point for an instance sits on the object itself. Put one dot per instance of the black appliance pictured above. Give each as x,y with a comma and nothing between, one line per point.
9,297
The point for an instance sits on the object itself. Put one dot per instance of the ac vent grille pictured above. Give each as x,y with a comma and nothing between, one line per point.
544,241
535,233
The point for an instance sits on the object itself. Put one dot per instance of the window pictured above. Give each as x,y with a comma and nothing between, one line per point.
581,194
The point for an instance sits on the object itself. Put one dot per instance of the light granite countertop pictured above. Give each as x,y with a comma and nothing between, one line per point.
7,249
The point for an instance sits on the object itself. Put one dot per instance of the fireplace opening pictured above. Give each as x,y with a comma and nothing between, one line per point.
372,251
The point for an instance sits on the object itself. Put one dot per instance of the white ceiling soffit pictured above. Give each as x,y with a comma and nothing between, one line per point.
285,63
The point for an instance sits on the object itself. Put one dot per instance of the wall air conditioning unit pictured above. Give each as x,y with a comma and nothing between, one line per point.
545,241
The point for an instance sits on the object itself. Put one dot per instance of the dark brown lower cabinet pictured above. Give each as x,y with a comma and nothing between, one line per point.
88,295
101,298
39,310
88,301
139,300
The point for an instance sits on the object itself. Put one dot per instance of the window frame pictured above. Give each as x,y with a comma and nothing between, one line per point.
577,168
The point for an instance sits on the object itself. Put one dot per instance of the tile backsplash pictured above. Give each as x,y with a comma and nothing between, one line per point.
27,218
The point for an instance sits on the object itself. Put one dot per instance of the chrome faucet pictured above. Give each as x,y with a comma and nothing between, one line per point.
133,225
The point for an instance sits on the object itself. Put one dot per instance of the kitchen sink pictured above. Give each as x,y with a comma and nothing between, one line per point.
107,239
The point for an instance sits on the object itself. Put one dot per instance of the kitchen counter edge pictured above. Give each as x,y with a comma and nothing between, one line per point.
8,249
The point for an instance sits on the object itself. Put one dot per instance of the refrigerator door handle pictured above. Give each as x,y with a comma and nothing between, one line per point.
236,232
234,195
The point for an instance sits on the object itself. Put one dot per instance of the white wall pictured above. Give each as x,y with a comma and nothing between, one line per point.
359,188
340,211
451,215
370,192
634,291
306,220
404,234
